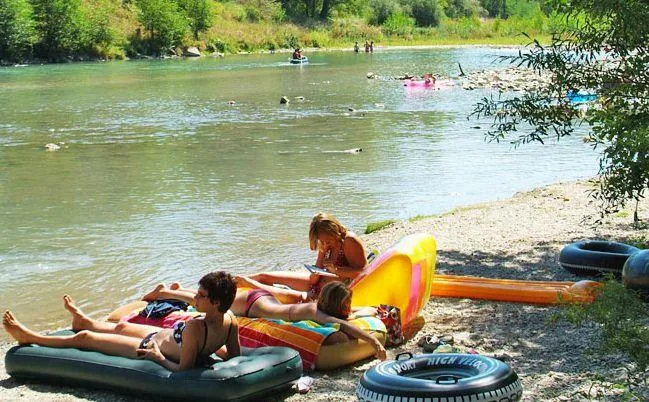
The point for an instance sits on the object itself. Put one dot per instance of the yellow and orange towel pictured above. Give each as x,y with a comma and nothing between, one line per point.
306,337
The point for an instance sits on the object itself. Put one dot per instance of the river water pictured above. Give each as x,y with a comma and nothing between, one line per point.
160,178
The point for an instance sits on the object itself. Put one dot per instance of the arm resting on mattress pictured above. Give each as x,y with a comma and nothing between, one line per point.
354,332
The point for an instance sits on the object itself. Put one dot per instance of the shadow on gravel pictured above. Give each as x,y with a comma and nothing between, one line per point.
541,262
57,391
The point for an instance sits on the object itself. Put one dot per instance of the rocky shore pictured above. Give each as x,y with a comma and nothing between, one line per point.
515,238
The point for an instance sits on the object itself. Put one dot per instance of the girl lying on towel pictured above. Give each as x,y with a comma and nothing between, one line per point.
340,251
180,348
333,306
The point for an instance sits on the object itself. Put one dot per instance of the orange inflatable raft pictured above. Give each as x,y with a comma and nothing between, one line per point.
537,292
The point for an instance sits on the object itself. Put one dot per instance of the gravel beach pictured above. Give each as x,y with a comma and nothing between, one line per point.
516,238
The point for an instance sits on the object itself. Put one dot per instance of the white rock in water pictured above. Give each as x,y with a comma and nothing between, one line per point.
192,51
52,147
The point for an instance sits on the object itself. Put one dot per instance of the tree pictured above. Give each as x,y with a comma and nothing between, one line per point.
199,13
165,24
59,23
601,47
426,12
17,30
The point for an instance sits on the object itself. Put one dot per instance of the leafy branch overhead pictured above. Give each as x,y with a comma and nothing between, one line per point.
600,47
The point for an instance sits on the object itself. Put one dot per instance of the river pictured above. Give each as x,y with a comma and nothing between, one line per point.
160,177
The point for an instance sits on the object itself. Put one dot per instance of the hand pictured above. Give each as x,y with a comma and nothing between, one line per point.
379,351
152,352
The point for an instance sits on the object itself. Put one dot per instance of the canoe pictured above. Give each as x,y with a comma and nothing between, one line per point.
303,60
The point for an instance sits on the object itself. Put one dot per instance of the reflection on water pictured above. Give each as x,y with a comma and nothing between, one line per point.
161,178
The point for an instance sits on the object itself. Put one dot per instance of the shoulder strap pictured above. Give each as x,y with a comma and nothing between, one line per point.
230,328
205,339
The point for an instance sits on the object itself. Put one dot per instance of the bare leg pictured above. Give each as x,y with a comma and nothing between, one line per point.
80,321
112,344
153,295
286,296
175,291
296,280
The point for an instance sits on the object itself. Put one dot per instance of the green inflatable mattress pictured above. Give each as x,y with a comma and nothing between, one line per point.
255,373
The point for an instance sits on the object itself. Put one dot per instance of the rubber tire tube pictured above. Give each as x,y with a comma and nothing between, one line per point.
438,377
595,257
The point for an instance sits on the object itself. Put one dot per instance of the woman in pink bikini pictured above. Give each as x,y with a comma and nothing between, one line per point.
340,252
333,306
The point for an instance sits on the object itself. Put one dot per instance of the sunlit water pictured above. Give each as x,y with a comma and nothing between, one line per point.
161,179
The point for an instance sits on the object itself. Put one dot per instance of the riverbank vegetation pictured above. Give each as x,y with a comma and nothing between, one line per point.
62,30
603,51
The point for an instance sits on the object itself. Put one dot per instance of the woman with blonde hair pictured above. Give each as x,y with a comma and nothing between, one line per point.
340,252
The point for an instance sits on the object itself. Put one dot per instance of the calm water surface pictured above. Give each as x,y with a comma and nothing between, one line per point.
161,179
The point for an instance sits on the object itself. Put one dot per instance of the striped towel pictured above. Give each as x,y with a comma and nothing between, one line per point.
306,337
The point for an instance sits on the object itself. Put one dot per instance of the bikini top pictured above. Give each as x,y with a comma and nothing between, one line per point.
179,327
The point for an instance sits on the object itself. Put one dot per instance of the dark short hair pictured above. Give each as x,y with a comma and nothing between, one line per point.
221,287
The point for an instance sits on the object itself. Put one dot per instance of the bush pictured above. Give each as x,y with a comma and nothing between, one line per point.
17,30
426,12
164,22
200,14
218,45
60,25
99,36
623,319
460,8
382,10
399,24
263,10
319,39
354,29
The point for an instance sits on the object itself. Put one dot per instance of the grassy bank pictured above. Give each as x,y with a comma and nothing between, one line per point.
112,29
229,36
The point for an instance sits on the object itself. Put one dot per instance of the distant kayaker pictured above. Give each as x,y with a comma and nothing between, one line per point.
356,47
296,54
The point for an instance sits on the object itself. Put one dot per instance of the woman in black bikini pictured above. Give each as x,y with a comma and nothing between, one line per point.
180,348
340,251
333,306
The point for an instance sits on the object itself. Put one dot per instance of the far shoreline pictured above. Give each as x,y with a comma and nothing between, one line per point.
378,49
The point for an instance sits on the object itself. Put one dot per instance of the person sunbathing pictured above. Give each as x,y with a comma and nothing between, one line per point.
333,306
183,347
340,251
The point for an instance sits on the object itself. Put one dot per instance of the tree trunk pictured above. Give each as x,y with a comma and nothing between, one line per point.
326,7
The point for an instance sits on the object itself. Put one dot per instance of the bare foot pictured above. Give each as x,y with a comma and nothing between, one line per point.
175,286
153,295
17,330
79,319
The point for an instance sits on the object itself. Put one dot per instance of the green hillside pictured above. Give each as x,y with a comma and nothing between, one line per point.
62,30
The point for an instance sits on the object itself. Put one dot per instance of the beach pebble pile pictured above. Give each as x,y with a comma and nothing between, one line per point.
511,79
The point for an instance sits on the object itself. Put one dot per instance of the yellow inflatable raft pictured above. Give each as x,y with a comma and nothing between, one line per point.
402,276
